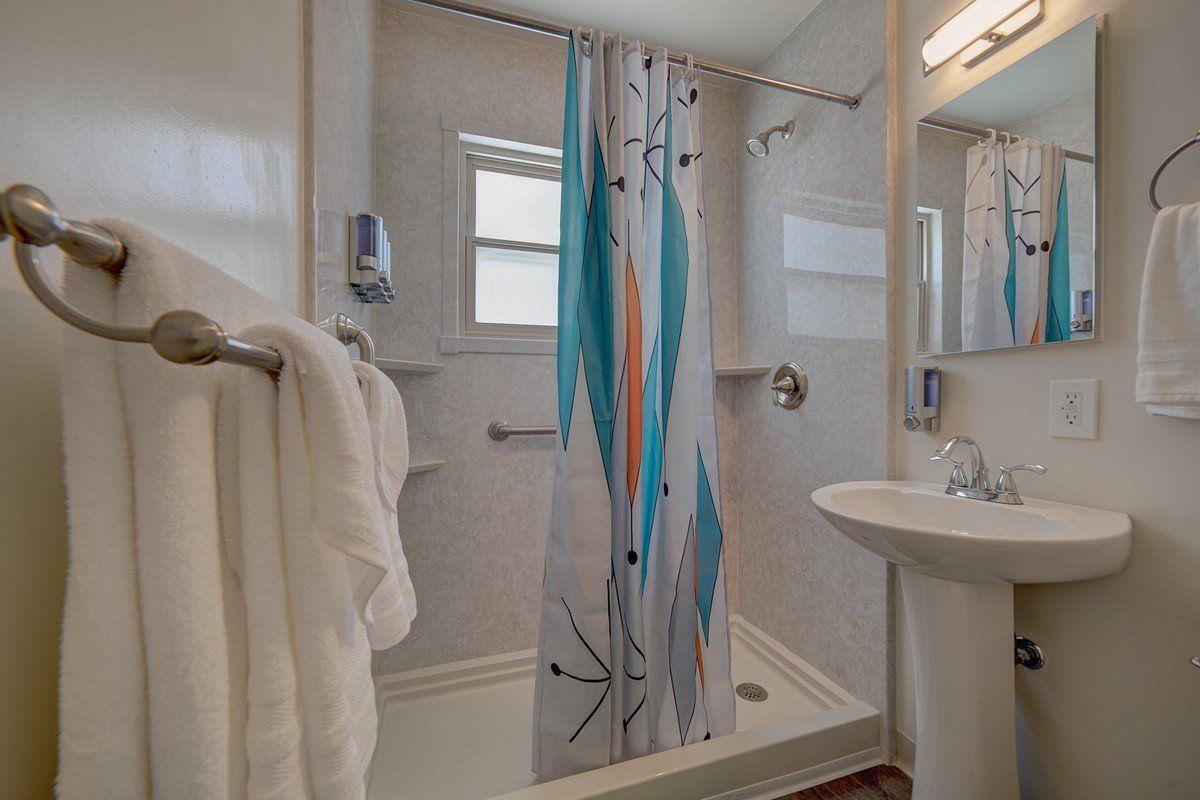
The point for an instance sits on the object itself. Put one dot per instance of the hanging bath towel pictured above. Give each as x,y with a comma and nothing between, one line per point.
634,645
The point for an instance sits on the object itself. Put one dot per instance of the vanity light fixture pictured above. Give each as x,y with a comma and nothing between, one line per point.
977,30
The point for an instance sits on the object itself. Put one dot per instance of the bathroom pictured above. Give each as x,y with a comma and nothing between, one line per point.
251,134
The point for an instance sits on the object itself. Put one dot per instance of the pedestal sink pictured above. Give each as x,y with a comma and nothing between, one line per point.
958,560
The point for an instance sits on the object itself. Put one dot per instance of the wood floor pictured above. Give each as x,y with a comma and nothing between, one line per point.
876,783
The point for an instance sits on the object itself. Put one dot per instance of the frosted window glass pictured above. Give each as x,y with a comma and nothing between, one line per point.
516,287
518,208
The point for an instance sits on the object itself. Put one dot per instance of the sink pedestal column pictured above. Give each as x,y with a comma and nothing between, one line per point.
962,641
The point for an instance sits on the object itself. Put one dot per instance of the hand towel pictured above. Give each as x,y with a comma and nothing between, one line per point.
152,692
1168,379
394,604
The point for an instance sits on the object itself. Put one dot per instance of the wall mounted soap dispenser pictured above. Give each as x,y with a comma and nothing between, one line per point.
922,398
370,259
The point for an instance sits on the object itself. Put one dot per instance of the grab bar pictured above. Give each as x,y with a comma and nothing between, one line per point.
499,431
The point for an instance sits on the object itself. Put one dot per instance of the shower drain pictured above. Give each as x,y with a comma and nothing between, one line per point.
752,692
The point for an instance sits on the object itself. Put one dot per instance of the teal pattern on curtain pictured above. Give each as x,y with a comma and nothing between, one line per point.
633,653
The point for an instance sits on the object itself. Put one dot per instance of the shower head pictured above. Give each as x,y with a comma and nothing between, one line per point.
757,146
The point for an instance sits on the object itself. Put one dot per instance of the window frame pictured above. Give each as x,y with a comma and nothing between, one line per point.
473,157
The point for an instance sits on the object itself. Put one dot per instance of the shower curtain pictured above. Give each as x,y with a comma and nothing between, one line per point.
633,654
1016,252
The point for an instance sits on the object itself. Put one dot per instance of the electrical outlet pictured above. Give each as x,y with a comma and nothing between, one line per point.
1074,406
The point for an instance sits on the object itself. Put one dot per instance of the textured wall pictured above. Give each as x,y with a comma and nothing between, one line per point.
475,530
813,289
180,116
339,120
941,180
1113,715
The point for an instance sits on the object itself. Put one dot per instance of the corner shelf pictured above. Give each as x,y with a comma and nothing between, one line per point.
415,467
741,372
400,365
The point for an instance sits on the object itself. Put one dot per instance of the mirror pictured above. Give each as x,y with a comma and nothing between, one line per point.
1006,205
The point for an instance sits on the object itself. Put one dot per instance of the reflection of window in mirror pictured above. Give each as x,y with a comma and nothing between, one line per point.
929,278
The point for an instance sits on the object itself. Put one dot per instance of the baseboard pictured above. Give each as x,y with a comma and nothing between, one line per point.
906,753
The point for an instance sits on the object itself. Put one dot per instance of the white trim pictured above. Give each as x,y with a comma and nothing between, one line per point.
428,465
742,372
400,365
906,753
487,344
494,143
816,747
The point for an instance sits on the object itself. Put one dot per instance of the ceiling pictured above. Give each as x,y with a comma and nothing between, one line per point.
739,33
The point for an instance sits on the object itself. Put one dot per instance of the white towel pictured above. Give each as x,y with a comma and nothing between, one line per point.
394,604
1168,380
213,643
152,684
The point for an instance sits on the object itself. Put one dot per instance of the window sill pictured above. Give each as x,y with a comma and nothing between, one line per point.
483,344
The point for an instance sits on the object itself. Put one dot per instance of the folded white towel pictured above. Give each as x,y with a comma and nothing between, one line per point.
213,635
1168,379
152,694
394,604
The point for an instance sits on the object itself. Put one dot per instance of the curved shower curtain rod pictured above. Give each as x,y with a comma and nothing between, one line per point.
562,32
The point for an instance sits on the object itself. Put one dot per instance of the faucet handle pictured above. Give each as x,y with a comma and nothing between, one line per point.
958,477
1005,482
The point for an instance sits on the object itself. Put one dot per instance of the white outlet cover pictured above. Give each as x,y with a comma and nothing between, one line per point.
1074,408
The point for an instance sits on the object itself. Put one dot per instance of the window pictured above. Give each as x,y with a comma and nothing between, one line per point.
509,212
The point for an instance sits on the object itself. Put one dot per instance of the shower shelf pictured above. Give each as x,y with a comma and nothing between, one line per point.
424,466
737,372
400,365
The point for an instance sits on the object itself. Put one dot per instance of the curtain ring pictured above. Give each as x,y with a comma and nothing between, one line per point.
1008,139
991,137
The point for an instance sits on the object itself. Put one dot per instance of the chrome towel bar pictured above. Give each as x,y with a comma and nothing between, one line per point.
184,337
499,431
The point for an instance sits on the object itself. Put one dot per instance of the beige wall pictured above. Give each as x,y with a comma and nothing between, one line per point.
475,530
183,117
1113,716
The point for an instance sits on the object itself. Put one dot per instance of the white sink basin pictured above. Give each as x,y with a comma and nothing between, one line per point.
918,525
958,561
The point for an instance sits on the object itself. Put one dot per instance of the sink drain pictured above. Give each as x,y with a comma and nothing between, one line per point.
752,692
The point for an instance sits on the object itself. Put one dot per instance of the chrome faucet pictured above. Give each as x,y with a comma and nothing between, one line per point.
976,487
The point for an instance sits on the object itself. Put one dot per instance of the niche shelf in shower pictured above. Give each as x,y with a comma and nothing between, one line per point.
738,372
400,365
427,465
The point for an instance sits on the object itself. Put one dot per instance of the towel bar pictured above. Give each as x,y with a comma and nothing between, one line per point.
1166,161
184,337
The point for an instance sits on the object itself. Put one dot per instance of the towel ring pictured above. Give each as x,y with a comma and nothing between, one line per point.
1154,204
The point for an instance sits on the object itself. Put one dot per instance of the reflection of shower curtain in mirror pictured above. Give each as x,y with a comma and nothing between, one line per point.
633,654
1016,281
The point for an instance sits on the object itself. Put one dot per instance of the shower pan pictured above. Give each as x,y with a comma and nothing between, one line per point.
462,730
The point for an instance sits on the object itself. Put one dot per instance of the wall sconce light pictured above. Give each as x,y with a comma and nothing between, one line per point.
977,30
